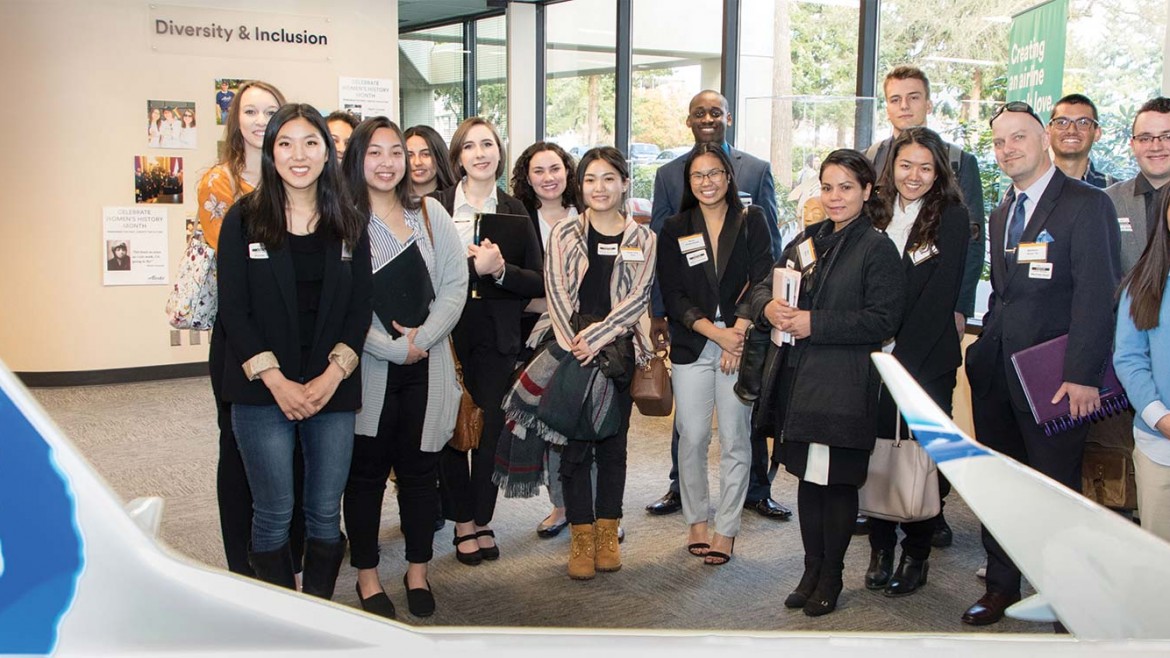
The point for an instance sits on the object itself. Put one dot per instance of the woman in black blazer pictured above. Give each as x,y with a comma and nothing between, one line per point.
487,338
710,255
545,181
928,223
294,301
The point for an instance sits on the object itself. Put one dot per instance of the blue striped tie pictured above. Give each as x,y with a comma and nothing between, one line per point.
1016,227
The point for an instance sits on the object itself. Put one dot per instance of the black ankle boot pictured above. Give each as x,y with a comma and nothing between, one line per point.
910,576
808,583
322,562
824,598
273,567
881,567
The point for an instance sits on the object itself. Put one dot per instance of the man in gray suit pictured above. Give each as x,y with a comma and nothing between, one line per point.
1136,199
708,118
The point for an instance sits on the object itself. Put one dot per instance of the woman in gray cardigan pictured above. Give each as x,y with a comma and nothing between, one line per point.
410,396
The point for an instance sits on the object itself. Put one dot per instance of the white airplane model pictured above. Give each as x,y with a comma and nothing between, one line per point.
79,575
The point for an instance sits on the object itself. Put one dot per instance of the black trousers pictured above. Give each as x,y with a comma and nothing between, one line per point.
231,482
827,515
468,491
883,533
1002,426
581,505
396,446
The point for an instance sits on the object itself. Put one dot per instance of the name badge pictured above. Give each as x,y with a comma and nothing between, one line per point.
1032,252
689,243
1125,225
923,254
1039,270
697,257
607,249
633,255
346,254
807,254
257,251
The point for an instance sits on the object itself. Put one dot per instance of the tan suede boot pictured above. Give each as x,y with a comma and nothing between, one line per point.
581,552
609,555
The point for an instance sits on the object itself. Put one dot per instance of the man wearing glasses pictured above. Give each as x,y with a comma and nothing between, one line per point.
1073,129
1136,199
1054,270
708,118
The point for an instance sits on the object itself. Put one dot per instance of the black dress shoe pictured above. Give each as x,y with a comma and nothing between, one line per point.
769,509
911,575
668,504
470,559
549,531
942,535
862,526
378,604
492,552
881,568
989,608
420,600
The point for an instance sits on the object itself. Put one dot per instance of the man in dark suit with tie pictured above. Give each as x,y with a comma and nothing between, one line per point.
708,117
1054,270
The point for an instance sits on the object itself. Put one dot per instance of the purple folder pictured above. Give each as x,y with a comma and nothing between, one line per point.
1041,372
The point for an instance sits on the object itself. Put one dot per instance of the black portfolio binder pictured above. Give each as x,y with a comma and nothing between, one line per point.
402,291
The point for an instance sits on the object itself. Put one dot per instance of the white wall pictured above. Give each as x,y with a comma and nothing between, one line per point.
76,78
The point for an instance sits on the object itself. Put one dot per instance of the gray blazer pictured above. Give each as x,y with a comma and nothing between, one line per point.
1132,205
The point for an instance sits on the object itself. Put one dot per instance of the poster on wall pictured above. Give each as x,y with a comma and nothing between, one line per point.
158,179
134,246
170,125
1036,55
365,97
225,90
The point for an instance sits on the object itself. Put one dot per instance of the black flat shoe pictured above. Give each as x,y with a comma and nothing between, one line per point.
378,604
491,553
470,559
420,601
548,531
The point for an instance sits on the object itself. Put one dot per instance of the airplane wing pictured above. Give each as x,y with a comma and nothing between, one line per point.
1099,573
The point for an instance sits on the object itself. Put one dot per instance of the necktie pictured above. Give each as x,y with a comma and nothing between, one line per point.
1016,226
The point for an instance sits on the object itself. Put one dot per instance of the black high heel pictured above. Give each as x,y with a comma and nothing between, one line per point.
824,598
808,583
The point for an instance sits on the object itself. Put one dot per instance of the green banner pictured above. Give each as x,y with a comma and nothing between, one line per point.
1036,56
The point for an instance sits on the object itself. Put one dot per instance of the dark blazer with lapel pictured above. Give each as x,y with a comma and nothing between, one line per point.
1077,300
927,344
526,281
690,293
258,310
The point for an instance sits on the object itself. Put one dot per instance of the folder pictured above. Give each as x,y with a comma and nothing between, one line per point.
1041,372
403,291
510,234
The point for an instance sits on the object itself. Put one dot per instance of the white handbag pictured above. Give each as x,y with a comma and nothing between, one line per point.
193,301
902,484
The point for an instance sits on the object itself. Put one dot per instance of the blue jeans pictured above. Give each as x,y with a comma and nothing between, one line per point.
266,439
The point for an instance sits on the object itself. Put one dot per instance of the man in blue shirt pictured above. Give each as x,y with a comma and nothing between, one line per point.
708,118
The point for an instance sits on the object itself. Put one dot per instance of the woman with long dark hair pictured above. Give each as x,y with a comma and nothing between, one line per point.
927,222
823,389
409,391
294,300
426,154
1142,359
710,255
545,181
488,337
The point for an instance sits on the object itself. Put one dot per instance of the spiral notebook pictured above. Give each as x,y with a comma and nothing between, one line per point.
1041,372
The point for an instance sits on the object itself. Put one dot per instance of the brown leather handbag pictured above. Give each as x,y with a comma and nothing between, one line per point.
469,422
651,387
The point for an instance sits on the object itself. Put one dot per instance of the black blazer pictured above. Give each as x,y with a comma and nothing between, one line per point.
258,311
1077,300
690,293
927,344
526,281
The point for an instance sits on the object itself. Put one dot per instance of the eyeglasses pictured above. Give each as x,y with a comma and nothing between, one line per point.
715,176
1145,139
1016,106
702,113
1083,123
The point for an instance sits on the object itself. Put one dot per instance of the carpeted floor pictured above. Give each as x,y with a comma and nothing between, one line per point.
159,439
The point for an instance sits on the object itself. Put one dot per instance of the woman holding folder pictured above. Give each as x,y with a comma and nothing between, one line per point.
409,391
488,337
709,258
823,388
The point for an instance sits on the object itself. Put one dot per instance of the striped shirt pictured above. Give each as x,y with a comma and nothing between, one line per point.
385,246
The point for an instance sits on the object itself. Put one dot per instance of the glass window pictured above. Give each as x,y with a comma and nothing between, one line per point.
580,63
491,75
430,69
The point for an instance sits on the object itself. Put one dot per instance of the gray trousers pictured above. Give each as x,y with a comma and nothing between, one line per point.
699,389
